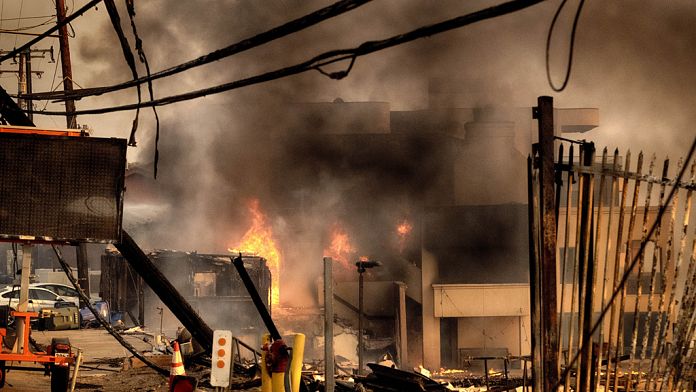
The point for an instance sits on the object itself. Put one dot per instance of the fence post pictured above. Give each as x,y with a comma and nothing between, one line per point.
547,222
586,271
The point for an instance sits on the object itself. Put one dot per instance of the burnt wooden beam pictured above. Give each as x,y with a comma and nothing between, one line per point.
167,293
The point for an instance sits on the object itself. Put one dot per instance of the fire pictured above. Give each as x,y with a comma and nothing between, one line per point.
340,248
403,230
259,240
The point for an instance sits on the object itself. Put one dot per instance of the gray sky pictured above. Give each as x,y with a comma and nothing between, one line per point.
633,60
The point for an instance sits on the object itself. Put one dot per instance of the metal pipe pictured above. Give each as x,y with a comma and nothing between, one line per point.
360,320
586,257
564,255
533,309
256,298
328,326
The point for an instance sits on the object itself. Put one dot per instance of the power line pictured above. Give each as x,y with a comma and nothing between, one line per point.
283,30
328,58
130,59
51,30
566,78
28,17
23,28
130,5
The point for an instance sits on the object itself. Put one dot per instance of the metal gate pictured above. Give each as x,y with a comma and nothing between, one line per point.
612,266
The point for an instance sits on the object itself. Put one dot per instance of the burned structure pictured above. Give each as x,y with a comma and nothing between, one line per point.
208,282
437,195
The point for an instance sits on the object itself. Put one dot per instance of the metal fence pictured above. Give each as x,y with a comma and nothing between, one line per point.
614,280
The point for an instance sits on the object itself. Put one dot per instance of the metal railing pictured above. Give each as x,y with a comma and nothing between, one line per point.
625,266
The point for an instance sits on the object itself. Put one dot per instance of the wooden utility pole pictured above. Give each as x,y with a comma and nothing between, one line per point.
65,63
81,250
547,252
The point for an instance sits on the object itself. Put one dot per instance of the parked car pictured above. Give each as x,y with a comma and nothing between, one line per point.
38,298
66,292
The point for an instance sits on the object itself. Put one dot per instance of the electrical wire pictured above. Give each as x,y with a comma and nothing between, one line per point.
24,28
68,271
27,17
130,6
629,270
19,20
566,78
48,32
324,59
53,81
283,30
130,60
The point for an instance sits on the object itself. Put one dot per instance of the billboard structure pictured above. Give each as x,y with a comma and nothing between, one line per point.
57,187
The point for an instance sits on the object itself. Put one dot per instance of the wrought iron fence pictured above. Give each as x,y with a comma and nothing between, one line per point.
623,255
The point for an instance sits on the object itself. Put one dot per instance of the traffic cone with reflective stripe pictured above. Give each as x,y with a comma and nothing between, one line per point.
177,368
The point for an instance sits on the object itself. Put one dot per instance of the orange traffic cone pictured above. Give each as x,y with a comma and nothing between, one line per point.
177,368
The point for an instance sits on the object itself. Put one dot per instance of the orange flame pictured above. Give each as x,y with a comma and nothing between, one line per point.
403,230
259,240
340,248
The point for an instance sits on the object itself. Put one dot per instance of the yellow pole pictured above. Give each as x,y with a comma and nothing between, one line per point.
266,381
278,381
296,364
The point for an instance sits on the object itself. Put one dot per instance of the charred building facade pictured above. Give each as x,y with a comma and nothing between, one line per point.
437,195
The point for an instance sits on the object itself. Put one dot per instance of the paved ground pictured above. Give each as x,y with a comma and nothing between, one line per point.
102,367
103,360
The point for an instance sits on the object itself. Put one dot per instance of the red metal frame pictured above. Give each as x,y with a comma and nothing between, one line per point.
26,355
39,131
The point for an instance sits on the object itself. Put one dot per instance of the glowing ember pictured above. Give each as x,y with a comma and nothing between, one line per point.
403,230
340,249
259,240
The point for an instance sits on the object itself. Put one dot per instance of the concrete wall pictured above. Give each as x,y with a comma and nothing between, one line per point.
431,323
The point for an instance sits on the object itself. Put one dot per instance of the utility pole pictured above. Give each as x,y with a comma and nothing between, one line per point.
66,67
24,75
28,102
547,249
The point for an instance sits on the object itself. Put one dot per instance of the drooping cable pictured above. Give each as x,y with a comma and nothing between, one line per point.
23,28
130,60
68,271
48,32
283,30
143,59
326,58
571,49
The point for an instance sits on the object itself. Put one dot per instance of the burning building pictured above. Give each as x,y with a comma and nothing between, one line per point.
437,195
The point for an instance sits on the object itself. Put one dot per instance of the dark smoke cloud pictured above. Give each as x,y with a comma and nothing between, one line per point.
633,60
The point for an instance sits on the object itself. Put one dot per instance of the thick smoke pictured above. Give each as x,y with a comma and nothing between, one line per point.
632,61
